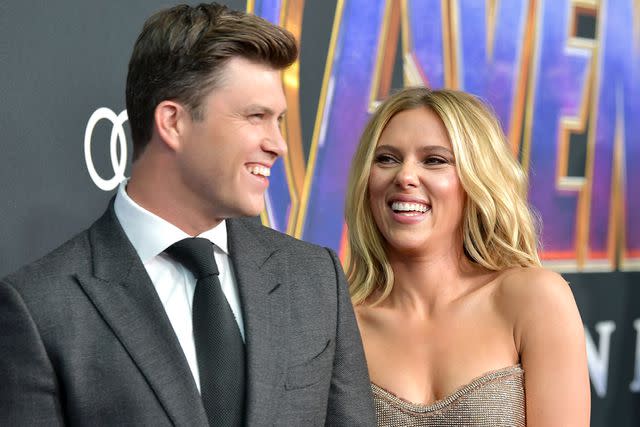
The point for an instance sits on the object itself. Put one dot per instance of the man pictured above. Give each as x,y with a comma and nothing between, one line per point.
121,325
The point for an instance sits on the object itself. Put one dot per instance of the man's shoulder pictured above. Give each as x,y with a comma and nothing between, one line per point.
277,239
66,259
309,265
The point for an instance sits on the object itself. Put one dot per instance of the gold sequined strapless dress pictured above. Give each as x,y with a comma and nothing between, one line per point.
493,400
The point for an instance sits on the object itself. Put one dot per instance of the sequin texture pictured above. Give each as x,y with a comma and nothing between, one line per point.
495,399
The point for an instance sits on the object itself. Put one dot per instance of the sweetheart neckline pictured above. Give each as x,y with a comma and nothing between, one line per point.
457,393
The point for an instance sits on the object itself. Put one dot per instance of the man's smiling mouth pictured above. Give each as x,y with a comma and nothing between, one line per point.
259,170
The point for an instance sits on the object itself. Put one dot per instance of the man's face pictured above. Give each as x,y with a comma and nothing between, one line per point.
225,159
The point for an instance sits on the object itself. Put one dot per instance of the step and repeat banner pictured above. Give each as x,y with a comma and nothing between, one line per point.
562,75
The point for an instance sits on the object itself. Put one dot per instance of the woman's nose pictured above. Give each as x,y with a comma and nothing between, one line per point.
407,176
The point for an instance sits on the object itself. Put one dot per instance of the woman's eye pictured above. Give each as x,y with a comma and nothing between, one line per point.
435,160
384,159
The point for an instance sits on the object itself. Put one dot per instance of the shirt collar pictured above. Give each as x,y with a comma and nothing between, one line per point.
149,234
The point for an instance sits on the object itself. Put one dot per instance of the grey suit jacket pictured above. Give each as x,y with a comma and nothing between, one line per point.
84,339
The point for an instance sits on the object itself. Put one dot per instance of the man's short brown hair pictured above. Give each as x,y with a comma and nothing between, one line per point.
181,52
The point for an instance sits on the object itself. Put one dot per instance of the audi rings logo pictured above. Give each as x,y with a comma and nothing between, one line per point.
118,138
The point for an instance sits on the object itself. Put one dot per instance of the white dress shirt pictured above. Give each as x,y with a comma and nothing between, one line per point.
174,283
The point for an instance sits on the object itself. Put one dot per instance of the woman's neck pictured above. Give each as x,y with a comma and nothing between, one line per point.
428,283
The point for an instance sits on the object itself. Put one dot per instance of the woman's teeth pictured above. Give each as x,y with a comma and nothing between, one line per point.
409,207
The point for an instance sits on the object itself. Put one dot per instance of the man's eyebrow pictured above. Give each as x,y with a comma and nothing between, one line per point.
264,109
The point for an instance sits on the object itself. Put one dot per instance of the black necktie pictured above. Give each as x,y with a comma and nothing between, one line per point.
219,346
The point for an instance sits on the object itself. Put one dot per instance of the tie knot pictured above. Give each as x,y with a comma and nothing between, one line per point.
196,254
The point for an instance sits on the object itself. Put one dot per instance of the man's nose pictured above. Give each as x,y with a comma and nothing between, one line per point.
275,143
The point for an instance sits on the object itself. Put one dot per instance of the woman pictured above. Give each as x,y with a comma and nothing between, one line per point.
460,324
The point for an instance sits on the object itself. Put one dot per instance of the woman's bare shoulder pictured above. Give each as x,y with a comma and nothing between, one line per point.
368,314
532,292
549,338
524,285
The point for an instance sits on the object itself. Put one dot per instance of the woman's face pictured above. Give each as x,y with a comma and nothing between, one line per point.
415,195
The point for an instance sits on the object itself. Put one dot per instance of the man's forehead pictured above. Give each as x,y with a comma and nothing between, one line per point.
237,66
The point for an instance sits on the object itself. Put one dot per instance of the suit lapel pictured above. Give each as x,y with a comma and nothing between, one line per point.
123,293
265,305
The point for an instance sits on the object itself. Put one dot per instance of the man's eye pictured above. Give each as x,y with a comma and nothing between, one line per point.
256,116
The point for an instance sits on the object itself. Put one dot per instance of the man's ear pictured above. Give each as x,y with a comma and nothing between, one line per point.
170,120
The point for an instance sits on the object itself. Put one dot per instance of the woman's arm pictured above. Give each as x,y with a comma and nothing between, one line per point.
549,335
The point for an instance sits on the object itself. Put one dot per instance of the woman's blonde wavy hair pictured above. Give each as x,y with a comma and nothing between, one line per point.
499,229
